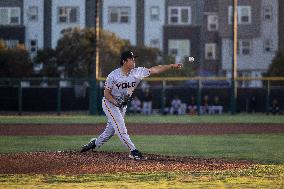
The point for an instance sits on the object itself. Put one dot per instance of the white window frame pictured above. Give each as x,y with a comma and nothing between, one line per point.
176,46
8,20
267,13
267,45
178,15
66,13
33,13
212,22
154,13
122,12
210,48
242,48
240,15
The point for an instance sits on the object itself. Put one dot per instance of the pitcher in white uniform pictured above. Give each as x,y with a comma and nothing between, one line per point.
120,83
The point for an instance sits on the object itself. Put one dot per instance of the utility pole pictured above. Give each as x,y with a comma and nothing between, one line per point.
93,104
234,57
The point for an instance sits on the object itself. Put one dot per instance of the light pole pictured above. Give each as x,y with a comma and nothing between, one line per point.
235,56
93,104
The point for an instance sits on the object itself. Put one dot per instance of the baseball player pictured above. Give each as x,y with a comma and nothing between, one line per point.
119,87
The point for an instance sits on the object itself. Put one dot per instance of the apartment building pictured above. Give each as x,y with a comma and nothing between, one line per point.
182,29
173,26
40,23
257,37
210,39
281,26
199,28
12,28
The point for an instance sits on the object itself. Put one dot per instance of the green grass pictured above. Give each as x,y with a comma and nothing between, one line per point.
85,119
264,148
261,176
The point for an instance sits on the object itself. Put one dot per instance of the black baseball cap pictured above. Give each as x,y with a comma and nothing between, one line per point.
127,54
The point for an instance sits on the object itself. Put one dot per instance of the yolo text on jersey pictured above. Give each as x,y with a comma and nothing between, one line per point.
125,85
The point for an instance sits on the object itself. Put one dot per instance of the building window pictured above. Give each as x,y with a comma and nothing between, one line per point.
210,51
267,13
179,15
11,44
244,47
68,14
212,22
33,13
268,45
10,16
179,47
154,13
155,43
119,15
244,15
33,45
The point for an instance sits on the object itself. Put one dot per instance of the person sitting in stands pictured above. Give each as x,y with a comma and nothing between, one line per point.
192,107
135,105
274,108
217,108
176,106
147,103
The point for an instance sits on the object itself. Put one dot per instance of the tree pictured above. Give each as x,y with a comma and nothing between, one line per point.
75,51
15,63
276,69
47,57
110,47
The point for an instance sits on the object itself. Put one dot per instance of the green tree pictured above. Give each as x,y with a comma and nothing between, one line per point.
110,47
47,57
15,63
276,69
75,51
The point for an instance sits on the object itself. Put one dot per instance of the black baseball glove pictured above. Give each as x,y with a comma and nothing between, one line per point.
123,101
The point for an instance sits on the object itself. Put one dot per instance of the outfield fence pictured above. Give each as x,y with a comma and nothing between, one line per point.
85,94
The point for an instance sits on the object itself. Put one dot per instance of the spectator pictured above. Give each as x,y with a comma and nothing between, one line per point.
183,108
166,109
135,105
205,105
147,102
176,106
192,107
274,108
216,108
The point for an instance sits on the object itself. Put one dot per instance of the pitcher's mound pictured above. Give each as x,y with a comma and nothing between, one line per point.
73,163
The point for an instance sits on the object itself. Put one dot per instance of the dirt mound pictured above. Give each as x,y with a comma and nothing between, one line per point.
73,163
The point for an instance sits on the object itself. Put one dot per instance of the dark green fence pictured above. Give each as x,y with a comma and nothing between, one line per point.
85,94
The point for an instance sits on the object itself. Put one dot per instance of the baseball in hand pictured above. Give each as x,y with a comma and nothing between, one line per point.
191,59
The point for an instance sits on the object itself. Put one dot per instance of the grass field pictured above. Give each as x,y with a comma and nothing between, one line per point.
84,119
266,150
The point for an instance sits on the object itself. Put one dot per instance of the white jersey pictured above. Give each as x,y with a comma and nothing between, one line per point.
121,84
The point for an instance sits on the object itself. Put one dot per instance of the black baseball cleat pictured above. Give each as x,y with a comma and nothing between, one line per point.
90,146
136,155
